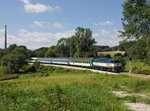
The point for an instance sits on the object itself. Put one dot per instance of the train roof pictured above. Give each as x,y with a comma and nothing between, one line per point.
102,60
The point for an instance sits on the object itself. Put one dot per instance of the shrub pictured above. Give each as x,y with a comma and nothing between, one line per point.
28,69
142,71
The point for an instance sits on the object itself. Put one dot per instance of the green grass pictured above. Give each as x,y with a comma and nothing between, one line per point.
138,67
8,76
1,69
68,89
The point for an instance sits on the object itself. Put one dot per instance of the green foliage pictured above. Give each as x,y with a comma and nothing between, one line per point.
142,71
27,69
79,45
69,90
51,52
1,53
56,97
138,50
15,57
136,16
138,67
84,42
40,52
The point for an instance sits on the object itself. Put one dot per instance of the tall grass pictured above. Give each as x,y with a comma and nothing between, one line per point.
138,67
69,90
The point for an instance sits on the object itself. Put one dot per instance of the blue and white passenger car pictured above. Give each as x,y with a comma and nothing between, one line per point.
54,60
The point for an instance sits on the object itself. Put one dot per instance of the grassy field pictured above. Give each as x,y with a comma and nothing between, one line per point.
7,76
69,90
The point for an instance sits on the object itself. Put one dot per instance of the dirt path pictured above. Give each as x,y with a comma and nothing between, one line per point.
131,105
138,106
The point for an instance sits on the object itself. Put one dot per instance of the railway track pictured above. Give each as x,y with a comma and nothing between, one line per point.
99,71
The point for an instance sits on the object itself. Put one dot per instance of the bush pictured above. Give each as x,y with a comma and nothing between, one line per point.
142,71
14,59
28,69
6,70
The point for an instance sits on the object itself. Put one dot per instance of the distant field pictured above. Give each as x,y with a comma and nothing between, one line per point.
70,90
112,53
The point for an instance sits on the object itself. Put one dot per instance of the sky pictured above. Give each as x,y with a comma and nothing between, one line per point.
40,23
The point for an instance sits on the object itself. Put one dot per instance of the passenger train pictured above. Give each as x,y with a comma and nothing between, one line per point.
113,65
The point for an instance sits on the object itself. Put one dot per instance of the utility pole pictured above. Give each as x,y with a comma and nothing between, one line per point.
5,36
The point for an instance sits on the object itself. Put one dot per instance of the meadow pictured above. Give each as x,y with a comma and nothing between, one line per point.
58,89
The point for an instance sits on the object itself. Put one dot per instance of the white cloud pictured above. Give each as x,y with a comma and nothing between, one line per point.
34,40
103,33
106,23
105,37
26,1
2,30
38,24
41,24
57,25
38,7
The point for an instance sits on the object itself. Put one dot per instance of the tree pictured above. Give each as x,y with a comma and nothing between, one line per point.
84,42
136,19
14,60
71,42
137,50
51,52
136,25
40,52
62,47
125,45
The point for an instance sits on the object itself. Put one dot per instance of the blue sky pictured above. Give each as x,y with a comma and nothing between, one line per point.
40,23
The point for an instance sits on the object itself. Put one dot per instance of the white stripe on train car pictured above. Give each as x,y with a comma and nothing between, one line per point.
60,62
45,61
80,64
103,64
